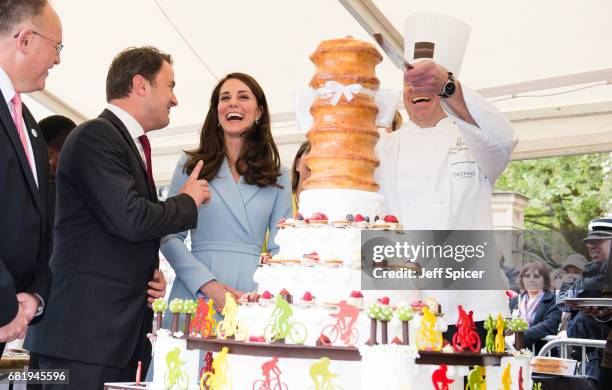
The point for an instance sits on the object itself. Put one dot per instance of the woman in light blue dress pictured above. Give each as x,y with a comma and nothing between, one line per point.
250,192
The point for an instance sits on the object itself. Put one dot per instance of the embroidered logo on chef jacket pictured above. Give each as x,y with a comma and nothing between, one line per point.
461,163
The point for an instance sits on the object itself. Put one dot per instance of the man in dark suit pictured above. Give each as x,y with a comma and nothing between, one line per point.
108,228
30,36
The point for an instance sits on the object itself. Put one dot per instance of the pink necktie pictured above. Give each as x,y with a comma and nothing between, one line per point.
18,119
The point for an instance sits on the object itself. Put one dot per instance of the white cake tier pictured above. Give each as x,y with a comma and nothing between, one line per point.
337,203
520,371
423,380
330,244
315,318
165,343
388,366
326,284
382,367
295,373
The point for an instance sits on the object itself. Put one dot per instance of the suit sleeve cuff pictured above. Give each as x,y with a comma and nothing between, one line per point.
41,306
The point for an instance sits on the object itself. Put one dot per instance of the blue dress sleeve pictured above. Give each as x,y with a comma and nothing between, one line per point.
193,273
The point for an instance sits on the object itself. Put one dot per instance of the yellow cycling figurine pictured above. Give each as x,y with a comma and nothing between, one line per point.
321,376
428,338
500,345
210,317
175,376
229,317
217,379
229,326
506,380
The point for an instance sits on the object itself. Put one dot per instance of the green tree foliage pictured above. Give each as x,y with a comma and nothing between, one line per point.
565,193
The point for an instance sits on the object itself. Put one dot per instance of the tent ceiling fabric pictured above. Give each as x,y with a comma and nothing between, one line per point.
270,40
511,42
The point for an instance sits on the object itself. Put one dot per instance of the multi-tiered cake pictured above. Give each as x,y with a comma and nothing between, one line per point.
319,260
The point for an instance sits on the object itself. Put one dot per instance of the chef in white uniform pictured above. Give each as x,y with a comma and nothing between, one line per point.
438,170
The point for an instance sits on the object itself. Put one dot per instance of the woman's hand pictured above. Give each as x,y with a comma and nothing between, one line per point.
264,258
236,293
215,291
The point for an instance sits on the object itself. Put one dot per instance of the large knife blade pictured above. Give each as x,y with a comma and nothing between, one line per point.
394,56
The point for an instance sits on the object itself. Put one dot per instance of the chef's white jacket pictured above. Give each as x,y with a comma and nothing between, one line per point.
441,178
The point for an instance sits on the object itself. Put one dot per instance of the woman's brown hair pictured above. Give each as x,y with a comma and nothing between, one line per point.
258,161
542,270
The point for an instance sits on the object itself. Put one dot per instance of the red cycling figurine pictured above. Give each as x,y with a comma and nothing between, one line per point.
270,367
466,335
343,328
439,379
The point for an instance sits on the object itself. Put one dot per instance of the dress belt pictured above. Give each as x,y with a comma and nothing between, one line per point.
224,246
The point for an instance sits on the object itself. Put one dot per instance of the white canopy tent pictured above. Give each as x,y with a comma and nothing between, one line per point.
524,47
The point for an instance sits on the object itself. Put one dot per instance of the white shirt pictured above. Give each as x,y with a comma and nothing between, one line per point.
8,91
441,178
133,127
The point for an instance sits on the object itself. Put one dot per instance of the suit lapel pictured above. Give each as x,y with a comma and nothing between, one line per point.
248,191
107,114
41,156
11,131
229,193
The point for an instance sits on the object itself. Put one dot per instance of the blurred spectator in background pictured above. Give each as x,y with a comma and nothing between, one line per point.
55,129
590,285
556,279
511,273
536,304
573,267
604,315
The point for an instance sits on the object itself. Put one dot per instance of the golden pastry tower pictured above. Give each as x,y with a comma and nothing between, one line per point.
343,136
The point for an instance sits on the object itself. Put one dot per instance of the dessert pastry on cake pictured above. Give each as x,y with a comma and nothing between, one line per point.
346,60
344,133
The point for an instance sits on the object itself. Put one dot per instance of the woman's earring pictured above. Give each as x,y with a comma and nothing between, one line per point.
257,121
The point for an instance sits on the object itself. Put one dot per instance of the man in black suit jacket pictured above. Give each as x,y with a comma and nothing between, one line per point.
108,228
30,36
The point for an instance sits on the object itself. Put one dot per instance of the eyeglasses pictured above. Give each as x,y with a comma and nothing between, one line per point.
58,46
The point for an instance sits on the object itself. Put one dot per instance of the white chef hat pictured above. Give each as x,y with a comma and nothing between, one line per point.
438,37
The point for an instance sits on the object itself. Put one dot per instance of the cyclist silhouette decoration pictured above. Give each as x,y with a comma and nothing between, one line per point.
342,328
321,376
466,335
439,379
268,368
